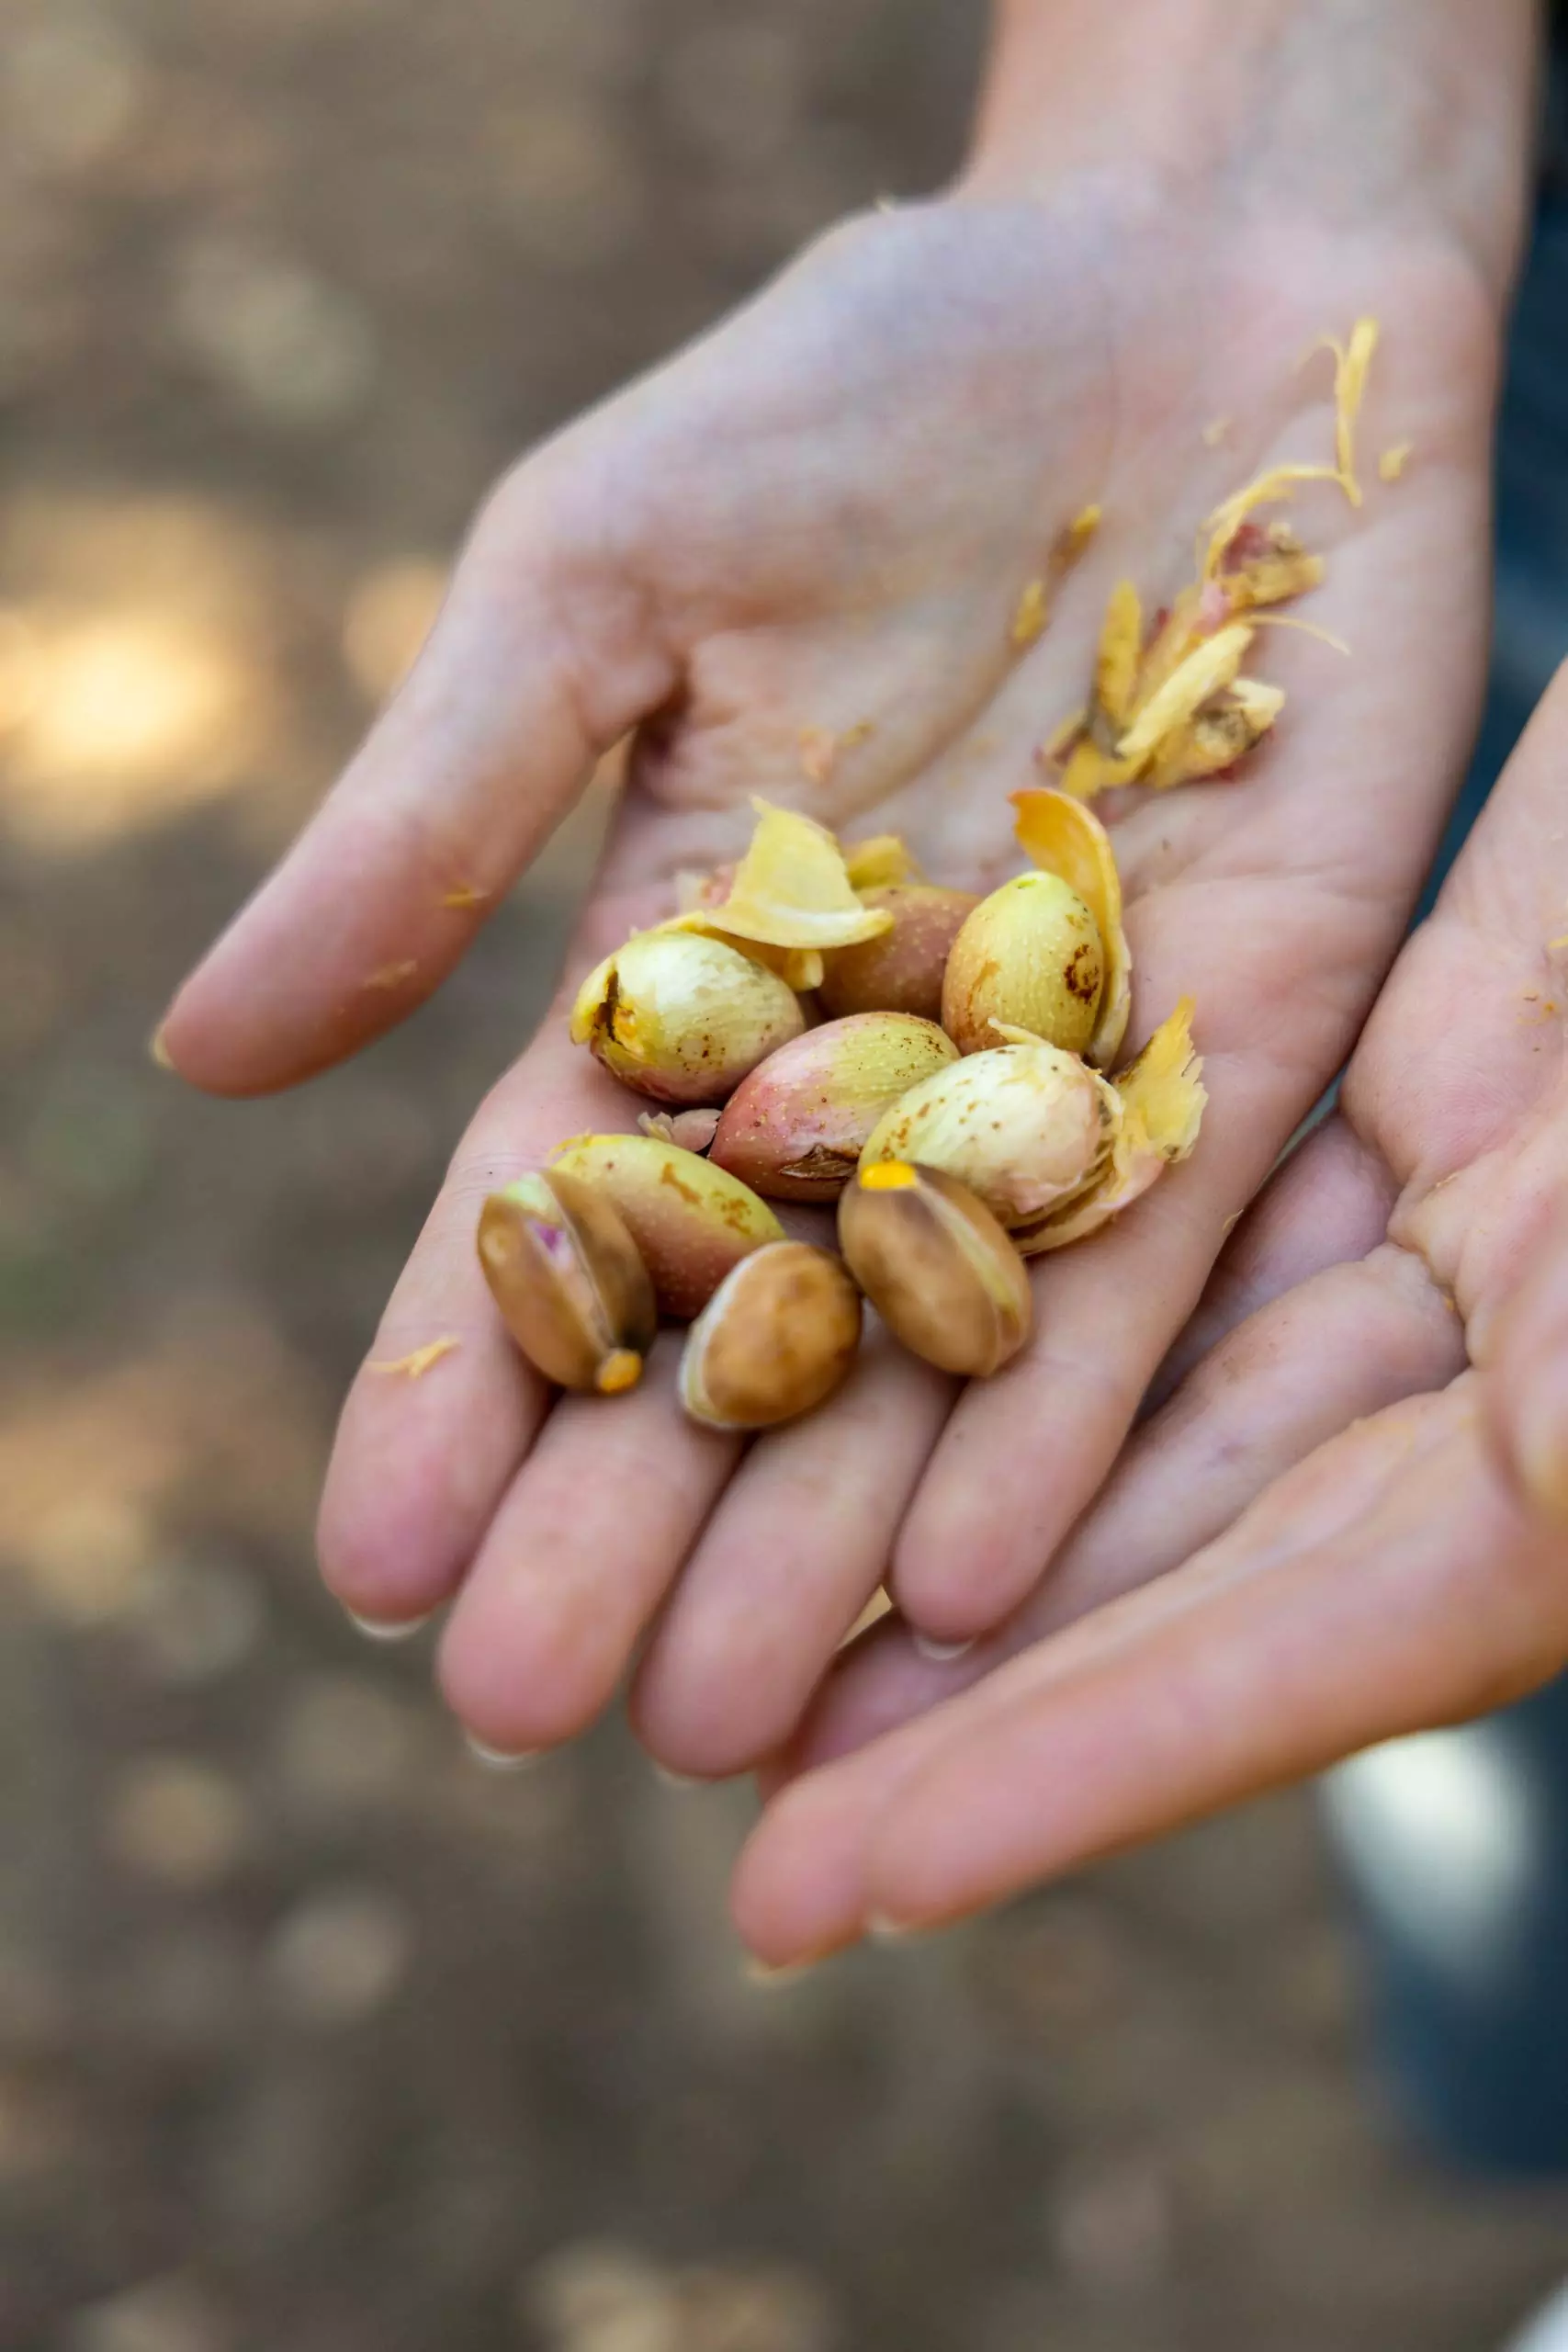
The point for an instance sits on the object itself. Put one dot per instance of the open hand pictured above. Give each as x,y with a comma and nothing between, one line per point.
824,515
1332,1530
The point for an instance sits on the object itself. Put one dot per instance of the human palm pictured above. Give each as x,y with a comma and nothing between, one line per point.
826,515
1325,1537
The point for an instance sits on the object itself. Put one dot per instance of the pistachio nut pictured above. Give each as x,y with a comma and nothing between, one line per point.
793,1129
777,1337
691,1221
1024,1125
683,1018
566,1274
1030,955
936,1265
1064,836
1162,1097
901,971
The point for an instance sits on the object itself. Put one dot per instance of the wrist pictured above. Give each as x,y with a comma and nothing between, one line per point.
1414,116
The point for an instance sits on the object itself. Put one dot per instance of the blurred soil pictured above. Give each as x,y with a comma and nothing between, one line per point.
311,2034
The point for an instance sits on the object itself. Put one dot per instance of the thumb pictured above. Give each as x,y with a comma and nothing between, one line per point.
540,660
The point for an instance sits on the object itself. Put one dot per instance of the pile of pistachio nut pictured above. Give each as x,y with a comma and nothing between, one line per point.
822,1024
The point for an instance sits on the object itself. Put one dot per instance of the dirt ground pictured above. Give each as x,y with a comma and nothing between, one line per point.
311,2034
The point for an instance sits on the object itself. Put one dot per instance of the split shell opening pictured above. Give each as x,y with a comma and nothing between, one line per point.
570,1282
937,1267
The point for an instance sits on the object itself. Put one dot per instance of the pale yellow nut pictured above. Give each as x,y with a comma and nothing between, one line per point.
936,1265
1161,1099
1026,1127
1064,836
691,1221
567,1276
681,1017
776,1338
1030,955
794,1129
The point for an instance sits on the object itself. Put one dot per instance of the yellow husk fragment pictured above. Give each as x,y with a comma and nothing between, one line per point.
1064,838
414,1365
791,890
1217,735
1393,462
1030,615
1121,651
874,865
1162,1099
1213,664
1351,362
1176,708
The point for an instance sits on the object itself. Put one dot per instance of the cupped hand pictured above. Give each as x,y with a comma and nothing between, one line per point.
827,514
1349,1521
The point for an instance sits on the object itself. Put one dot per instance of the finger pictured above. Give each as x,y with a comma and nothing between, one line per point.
540,660
1442,1601
422,1457
1024,1453
1326,1204
1350,1342
791,1557
581,1553
1525,1384
1389,1583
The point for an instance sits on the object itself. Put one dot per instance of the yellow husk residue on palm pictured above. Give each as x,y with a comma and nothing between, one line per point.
1173,704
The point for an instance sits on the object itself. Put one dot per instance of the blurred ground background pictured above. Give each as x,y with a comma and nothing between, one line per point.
311,2032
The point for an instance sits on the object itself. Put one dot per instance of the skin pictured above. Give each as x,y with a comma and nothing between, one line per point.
1347,1520
828,512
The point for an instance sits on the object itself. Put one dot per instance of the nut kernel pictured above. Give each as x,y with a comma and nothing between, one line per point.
776,1338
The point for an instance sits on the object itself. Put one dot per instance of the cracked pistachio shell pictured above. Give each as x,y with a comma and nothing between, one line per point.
691,1221
902,970
795,1127
681,1017
777,1337
566,1274
1030,955
936,1265
1024,1125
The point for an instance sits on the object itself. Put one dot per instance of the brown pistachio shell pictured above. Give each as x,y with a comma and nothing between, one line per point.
778,1336
566,1274
937,1267
1030,955
902,971
683,1017
1024,1125
691,1221
797,1127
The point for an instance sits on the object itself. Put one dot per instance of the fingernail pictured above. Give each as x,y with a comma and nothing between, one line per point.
676,1780
500,1759
388,1629
769,1977
884,1930
1540,1450
940,1652
158,1046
